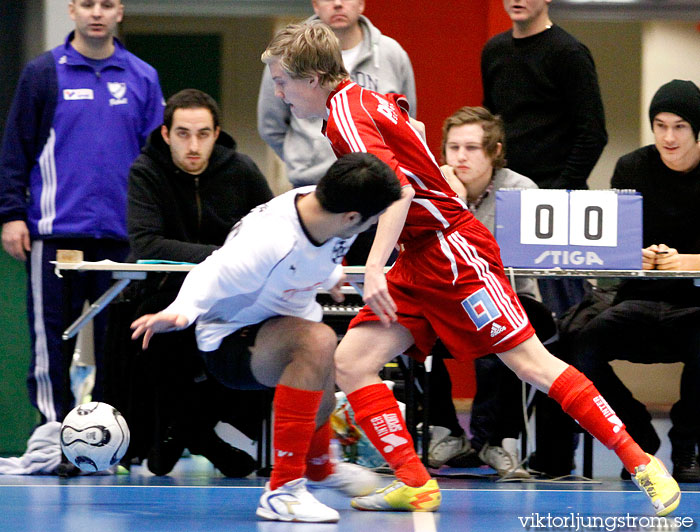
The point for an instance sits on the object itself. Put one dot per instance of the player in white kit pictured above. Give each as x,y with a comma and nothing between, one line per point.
258,322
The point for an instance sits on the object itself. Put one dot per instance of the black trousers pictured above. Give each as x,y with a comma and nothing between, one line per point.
645,332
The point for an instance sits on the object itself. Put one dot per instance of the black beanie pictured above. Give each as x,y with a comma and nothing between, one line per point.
679,97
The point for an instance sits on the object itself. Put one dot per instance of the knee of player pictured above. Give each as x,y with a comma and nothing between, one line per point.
317,344
527,373
343,369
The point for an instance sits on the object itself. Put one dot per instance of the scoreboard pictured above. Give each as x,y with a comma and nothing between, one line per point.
572,229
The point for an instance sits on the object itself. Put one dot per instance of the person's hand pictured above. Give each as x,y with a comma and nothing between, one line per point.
15,239
336,292
667,258
150,324
376,295
454,181
649,257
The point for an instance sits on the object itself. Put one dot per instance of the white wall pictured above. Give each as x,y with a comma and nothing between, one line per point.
57,23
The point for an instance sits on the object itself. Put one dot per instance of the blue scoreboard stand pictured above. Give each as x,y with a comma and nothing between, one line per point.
577,229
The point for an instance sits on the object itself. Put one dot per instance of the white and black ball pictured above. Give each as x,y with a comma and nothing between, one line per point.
94,436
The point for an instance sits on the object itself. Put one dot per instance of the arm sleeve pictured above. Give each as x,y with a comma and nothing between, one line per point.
153,112
273,115
241,266
146,223
580,85
19,144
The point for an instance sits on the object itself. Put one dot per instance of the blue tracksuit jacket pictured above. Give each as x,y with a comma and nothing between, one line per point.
74,128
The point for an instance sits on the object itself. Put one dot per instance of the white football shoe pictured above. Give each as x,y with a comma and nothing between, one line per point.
351,479
293,502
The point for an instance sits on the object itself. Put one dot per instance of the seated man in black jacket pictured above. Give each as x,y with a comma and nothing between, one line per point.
657,321
187,189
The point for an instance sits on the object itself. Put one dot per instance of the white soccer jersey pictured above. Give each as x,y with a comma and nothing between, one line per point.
267,267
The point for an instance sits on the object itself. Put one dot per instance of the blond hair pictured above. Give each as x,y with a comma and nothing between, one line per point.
307,50
494,132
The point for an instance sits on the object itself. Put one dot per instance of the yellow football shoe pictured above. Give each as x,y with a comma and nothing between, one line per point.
397,496
661,488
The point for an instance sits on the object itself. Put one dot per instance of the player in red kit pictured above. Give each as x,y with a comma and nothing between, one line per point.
447,282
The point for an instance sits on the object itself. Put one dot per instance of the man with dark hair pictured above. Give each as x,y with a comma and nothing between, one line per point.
187,189
657,321
351,185
258,321
80,115
447,282
190,99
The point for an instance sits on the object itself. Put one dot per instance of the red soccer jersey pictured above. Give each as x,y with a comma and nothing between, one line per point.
362,120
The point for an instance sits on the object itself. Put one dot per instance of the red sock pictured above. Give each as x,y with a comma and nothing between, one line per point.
318,463
294,426
377,412
582,401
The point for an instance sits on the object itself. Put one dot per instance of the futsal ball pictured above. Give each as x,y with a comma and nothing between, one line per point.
94,436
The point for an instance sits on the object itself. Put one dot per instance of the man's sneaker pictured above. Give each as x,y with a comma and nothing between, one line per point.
399,496
504,459
685,463
654,480
444,447
293,502
353,480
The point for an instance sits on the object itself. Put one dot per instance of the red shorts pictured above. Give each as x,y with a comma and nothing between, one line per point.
452,286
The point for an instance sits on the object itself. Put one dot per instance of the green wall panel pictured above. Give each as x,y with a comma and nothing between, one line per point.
17,416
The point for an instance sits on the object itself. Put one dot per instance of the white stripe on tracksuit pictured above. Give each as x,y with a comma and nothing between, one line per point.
47,166
511,312
44,391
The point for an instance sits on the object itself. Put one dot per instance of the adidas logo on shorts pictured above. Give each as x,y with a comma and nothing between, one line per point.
496,329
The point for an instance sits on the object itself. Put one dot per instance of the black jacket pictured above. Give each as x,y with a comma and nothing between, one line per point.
173,215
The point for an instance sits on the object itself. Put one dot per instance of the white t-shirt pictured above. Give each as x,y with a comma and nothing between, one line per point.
267,267
351,56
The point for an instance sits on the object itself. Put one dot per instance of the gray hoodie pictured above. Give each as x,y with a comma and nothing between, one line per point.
382,66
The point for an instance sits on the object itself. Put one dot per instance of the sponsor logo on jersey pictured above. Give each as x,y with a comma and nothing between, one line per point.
387,109
481,308
497,329
117,90
566,258
78,94
340,249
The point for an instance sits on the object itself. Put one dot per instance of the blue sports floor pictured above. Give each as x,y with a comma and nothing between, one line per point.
196,497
